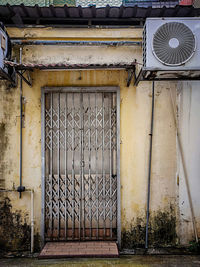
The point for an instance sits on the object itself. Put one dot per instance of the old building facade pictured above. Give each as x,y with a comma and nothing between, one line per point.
85,143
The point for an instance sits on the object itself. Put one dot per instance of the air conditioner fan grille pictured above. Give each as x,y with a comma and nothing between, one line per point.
173,43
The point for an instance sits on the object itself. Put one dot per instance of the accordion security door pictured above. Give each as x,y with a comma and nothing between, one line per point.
80,165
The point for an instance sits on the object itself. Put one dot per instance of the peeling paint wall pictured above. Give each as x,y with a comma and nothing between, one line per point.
135,129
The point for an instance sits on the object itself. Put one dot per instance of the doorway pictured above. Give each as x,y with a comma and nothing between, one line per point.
80,147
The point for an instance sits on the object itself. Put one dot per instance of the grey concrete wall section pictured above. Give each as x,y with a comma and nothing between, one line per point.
189,129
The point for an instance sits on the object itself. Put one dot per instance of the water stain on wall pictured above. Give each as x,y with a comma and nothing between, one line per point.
8,108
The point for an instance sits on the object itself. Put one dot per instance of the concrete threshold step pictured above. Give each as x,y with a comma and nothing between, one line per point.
97,249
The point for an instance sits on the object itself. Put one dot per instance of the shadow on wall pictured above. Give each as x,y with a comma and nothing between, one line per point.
15,231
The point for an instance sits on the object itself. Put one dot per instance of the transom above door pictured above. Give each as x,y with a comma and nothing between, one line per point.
80,164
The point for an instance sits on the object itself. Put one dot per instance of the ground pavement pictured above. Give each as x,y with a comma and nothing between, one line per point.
123,261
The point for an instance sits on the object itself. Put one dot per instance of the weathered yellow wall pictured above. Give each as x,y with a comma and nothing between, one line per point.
135,129
49,33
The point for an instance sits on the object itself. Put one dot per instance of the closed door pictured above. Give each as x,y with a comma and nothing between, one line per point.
80,165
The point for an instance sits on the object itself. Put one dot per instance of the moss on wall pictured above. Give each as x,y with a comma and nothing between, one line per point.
14,228
162,232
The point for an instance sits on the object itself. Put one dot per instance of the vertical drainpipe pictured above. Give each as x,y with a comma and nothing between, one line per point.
149,172
20,188
32,221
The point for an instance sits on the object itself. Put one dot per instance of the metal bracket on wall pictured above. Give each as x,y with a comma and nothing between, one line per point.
167,75
138,78
10,78
131,73
28,79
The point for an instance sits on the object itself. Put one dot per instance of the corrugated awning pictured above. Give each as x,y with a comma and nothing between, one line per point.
21,68
79,16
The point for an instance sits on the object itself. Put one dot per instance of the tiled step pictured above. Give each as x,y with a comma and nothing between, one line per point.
101,249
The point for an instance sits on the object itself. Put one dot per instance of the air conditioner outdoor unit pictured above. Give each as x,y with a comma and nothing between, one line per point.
171,47
6,72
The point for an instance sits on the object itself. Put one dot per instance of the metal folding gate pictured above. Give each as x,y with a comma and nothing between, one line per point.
80,158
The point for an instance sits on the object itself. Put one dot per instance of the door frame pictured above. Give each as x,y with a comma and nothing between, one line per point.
88,89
